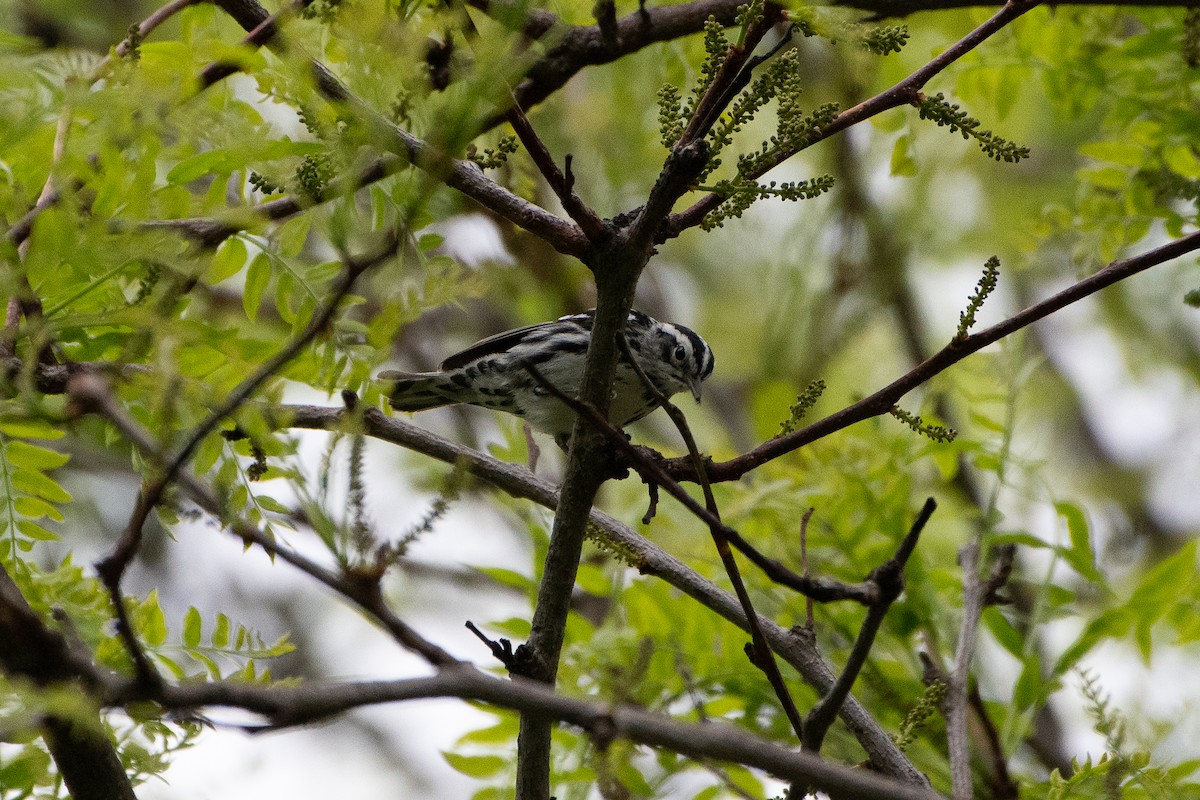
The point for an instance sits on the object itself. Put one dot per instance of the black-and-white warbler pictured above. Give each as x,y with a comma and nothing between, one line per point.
490,373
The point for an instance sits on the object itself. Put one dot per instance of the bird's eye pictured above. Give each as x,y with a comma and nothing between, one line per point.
679,352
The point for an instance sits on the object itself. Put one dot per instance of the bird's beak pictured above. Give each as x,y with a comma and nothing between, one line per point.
694,385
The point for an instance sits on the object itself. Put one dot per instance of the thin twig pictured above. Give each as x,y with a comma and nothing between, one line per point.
91,394
463,176
905,92
353,268
112,567
645,556
763,658
882,401
689,155
651,470
587,219
889,576
262,33
977,593
808,601
27,300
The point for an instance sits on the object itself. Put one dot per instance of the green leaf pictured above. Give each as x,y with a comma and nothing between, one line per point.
32,530
1182,160
283,297
507,577
257,278
902,164
172,665
1122,152
150,620
1079,555
23,454
271,504
1019,537
291,236
220,634
192,627
502,732
228,260
1028,689
37,483
430,241
30,429
218,161
1004,632
476,766
210,666
1105,177
25,769
1112,624
36,508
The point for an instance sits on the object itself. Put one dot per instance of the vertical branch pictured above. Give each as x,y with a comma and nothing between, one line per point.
808,601
589,464
977,594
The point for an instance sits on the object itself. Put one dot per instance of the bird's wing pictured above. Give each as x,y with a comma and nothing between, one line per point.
507,340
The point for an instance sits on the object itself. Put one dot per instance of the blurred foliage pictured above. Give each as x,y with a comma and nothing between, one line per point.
839,294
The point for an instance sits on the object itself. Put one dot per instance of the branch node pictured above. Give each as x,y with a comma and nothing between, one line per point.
502,649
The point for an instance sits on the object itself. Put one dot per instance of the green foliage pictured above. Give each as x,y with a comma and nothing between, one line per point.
324,10
145,741
920,714
1105,98
30,499
1118,772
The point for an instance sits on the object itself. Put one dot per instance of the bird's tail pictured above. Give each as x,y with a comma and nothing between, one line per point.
417,391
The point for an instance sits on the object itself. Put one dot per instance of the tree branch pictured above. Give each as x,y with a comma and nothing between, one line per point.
905,92
883,9
716,740
578,47
647,557
79,744
882,401
758,651
889,577
111,568
460,175
562,185
92,395
977,594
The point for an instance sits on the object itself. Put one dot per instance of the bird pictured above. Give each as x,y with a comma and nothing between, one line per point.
491,373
